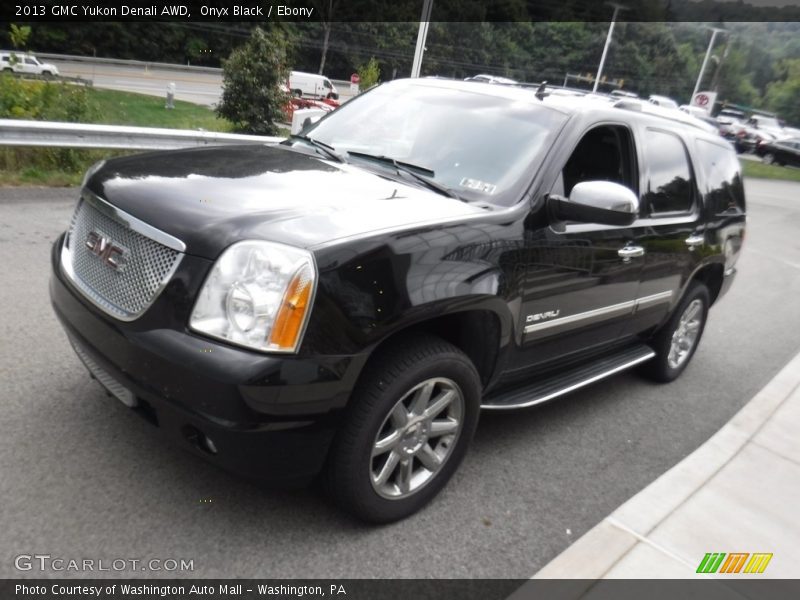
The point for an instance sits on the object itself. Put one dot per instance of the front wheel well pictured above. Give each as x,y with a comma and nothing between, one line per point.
475,332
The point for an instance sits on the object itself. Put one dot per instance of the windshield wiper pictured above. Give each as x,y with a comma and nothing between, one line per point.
326,148
420,174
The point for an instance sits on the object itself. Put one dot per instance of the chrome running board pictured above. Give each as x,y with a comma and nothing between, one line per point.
563,383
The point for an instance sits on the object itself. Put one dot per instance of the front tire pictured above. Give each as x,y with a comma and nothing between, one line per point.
676,342
407,428
769,158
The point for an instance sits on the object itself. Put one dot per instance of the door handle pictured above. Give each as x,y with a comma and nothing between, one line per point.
629,252
695,240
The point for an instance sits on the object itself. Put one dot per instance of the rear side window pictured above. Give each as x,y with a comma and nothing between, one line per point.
723,176
669,187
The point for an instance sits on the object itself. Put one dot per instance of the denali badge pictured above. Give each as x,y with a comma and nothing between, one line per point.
550,314
106,250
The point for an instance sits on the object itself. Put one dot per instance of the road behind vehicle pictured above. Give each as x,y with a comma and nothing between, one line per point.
344,305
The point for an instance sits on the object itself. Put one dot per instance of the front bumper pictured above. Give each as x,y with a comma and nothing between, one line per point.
268,418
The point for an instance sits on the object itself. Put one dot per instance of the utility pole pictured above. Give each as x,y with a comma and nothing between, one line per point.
718,68
716,30
617,8
422,35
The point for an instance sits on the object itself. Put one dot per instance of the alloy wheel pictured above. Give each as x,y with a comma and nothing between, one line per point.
686,334
416,438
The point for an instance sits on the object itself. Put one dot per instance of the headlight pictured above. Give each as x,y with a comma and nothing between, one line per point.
257,295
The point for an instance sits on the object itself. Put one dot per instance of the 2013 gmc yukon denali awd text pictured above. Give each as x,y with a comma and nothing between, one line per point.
345,303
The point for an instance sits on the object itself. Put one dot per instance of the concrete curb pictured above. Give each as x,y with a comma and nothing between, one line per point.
601,548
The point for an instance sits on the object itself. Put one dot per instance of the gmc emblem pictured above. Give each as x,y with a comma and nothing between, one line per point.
106,250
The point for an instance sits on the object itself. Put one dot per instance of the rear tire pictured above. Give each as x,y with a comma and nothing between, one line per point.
676,342
297,93
408,426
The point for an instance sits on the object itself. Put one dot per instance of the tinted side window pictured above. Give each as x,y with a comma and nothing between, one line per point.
723,175
603,154
669,181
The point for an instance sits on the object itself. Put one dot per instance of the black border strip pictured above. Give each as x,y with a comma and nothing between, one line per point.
266,11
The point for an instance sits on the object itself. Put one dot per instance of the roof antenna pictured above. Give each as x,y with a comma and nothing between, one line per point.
540,92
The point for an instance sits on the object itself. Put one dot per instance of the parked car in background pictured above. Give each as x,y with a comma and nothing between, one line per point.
732,113
729,125
484,78
695,111
20,62
748,138
780,152
623,94
767,124
662,101
311,85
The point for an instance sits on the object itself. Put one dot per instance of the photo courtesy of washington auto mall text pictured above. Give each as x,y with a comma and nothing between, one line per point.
177,590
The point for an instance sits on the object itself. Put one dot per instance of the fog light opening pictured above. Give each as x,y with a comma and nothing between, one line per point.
199,440
210,445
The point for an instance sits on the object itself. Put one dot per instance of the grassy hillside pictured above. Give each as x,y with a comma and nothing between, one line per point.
59,102
761,171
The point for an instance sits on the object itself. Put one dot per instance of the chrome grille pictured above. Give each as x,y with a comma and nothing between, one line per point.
146,265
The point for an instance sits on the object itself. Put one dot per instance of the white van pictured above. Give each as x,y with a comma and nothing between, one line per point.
315,86
25,63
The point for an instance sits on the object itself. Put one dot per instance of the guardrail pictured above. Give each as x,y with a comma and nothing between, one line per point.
342,84
126,62
15,132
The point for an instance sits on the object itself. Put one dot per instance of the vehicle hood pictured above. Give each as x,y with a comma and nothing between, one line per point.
212,197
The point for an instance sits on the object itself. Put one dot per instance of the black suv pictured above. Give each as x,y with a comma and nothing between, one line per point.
345,303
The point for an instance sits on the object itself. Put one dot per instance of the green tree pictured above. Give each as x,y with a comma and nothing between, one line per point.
783,95
370,74
252,78
734,83
19,36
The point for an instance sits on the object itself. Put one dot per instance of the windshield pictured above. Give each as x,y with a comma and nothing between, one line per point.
481,146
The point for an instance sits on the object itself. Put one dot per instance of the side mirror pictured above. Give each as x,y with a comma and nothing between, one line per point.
309,121
602,202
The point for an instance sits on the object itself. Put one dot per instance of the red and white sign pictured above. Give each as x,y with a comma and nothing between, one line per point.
354,81
704,100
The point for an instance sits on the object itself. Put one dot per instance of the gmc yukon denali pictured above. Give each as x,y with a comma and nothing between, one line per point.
342,305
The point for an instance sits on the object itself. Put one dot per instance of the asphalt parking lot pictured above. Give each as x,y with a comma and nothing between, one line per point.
84,478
